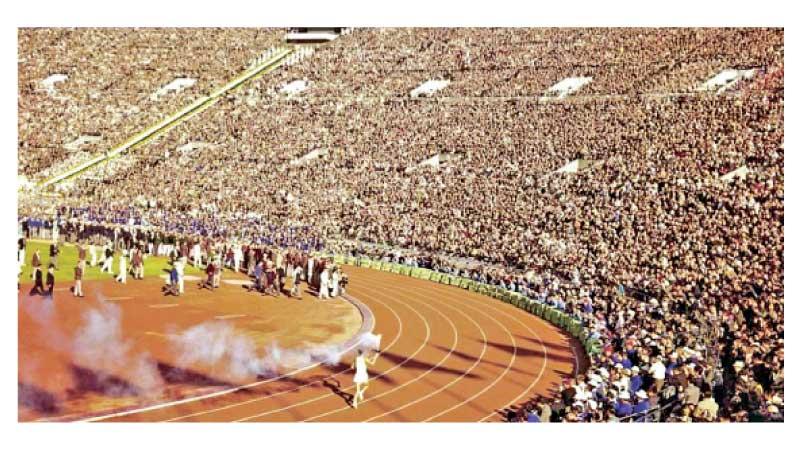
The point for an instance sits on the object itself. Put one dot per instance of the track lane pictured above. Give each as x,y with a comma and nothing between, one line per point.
379,382
493,356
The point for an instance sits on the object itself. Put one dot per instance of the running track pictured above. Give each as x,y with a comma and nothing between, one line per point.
448,355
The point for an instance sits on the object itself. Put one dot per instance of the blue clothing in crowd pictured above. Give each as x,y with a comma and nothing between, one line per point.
642,406
626,363
622,409
636,383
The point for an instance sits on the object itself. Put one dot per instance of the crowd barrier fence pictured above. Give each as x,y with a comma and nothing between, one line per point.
566,322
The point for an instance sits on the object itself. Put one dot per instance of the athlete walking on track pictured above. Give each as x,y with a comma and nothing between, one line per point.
361,379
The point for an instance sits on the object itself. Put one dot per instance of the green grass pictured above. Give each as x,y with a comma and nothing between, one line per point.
68,259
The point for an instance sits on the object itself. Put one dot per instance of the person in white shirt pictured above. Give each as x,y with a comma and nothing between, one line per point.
658,371
180,263
324,284
196,255
123,268
335,282
237,258
93,254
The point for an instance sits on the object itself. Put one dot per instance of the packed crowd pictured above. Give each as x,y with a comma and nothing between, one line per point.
693,252
112,79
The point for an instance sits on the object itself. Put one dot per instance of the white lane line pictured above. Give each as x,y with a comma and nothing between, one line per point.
544,350
114,299
497,379
415,379
380,375
467,372
164,305
161,335
279,393
185,277
230,316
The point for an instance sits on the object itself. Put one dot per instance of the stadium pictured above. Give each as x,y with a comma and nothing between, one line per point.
400,224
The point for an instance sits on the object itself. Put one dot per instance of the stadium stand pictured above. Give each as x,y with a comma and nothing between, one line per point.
677,270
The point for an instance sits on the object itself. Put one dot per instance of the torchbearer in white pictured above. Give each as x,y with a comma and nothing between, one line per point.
361,379
217,271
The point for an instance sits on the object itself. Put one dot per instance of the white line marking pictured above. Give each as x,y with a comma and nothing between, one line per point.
162,335
185,277
164,305
230,316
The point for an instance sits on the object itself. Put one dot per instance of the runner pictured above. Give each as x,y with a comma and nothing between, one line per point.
361,378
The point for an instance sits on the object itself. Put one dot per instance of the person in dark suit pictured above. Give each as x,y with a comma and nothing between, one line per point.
38,286
51,280
21,251
54,254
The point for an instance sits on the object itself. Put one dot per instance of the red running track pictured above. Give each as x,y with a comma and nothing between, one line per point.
448,355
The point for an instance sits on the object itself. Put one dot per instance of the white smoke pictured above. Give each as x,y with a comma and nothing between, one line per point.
44,313
216,346
99,346
369,342
228,354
